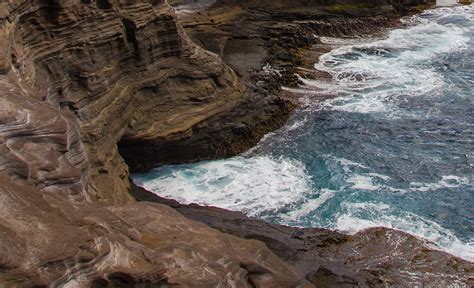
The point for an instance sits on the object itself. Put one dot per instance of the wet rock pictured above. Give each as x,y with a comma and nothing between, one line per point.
373,257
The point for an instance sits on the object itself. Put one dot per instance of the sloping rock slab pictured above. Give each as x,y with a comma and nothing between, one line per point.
373,257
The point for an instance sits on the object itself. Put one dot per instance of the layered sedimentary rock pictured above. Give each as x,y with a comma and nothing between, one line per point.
78,77
122,70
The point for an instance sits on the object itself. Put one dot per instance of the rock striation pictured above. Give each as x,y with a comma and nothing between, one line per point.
92,89
76,78
50,241
122,70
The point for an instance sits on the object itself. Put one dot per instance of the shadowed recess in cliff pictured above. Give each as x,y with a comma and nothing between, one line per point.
130,30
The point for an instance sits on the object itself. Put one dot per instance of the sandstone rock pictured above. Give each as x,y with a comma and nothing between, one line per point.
49,241
75,78
124,70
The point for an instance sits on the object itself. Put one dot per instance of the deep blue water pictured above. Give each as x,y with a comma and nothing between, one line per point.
393,146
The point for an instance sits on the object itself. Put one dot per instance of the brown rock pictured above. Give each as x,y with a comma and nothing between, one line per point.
376,257
75,78
49,241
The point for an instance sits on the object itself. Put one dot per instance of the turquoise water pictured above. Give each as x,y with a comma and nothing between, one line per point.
393,146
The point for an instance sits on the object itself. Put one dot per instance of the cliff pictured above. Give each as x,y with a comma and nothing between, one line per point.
91,88
76,78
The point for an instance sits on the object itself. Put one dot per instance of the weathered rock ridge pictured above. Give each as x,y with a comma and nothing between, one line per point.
122,71
81,80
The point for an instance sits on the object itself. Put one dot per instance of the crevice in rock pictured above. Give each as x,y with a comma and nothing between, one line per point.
130,31
120,279
69,105
80,80
103,4
14,61
50,10
99,283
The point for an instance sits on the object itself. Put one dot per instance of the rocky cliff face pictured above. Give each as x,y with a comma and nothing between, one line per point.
121,70
47,240
78,77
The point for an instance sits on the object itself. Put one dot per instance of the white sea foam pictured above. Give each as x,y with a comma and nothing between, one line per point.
446,2
380,176
360,216
362,182
337,41
375,77
464,11
347,165
370,181
388,72
252,185
309,206
449,181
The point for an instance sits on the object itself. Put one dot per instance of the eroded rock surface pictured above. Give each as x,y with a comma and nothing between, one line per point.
75,78
49,241
124,70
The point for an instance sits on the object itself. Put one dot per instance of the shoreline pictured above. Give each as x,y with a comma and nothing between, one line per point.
278,46
330,257
281,238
